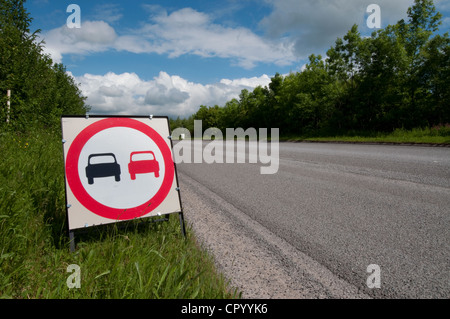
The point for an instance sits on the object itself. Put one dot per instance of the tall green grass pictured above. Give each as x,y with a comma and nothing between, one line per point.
150,261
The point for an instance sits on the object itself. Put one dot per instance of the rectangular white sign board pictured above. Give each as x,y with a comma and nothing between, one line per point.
118,169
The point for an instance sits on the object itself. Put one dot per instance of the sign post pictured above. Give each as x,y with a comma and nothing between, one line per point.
118,168
8,105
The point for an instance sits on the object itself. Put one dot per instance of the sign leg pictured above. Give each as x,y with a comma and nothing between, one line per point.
183,228
72,241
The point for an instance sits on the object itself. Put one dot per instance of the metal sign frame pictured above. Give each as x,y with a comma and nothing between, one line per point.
75,137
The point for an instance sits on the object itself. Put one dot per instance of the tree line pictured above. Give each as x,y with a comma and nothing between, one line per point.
41,91
399,77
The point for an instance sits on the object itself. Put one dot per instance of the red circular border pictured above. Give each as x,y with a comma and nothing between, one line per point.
74,181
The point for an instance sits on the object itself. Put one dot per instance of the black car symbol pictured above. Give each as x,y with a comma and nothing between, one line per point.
95,170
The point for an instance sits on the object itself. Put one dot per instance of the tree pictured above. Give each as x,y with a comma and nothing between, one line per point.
343,57
230,113
310,97
210,117
435,79
398,77
344,65
393,75
41,91
423,22
274,108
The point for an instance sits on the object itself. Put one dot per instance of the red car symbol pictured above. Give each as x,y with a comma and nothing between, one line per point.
143,166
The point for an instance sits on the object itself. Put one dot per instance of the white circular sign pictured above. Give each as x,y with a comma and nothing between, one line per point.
121,167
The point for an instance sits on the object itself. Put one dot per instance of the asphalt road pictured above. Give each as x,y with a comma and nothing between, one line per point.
312,229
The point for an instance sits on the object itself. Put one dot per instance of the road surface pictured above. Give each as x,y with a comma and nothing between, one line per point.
312,229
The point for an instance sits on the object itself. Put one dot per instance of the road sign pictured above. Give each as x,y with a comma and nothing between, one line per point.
117,169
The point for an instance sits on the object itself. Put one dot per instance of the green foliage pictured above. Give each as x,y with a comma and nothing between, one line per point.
41,90
187,123
397,78
439,134
150,261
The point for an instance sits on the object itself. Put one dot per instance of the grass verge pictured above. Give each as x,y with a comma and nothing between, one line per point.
435,135
152,261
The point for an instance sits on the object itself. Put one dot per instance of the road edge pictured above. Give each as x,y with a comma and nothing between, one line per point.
256,261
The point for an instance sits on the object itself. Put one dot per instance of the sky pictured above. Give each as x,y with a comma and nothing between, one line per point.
168,57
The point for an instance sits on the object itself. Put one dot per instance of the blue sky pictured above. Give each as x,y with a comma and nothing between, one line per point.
169,57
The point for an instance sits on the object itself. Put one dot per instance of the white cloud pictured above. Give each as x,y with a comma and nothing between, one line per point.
247,82
182,32
314,25
187,31
166,90
108,12
293,30
166,94
93,36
